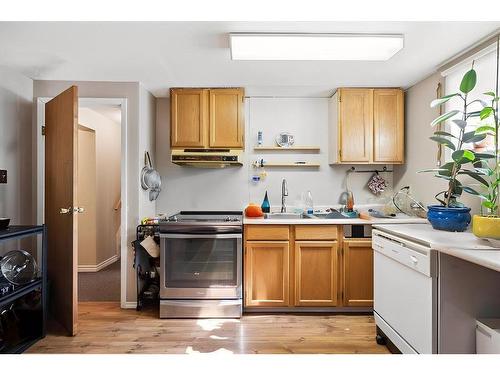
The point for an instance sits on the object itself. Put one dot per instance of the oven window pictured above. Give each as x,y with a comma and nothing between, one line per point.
200,262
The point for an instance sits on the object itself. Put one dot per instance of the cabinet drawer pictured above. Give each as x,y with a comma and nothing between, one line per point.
316,232
267,232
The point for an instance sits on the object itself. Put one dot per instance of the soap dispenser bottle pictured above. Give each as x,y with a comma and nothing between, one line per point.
266,207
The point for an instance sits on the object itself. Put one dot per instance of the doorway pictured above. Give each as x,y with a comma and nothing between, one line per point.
99,177
106,107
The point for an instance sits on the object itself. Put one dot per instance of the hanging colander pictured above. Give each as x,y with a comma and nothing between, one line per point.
150,178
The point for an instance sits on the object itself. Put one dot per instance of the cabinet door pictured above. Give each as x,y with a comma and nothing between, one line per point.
388,126
266,273
226,118
358,273
189,118
355,125
316,275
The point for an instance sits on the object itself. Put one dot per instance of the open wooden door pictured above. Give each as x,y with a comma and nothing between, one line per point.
61,140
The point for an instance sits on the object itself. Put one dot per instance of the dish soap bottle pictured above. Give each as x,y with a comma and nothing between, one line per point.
266,207
309,203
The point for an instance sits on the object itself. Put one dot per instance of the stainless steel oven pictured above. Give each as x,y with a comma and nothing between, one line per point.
201,266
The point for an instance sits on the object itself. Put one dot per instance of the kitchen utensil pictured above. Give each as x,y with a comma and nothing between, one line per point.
18,267
349,196
407,204
364,215
285,140
4,223
351,214
150,178
379,214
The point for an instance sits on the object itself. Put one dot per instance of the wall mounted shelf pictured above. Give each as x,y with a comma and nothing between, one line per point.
294,148
287,165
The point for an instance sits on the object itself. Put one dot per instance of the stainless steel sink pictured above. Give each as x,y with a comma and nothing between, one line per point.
332,214
284,215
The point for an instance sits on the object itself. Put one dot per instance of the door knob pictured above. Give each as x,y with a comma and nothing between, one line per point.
78,210
65,211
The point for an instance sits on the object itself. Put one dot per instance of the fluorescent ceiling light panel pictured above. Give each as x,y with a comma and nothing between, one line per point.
254,46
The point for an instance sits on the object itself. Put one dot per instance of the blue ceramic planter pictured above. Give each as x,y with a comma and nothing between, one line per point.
449,219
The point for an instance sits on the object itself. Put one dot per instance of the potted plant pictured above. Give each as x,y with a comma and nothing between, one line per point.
451,214
487,225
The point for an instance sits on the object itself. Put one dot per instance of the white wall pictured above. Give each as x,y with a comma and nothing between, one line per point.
231,188
135,131
147,124
87,197
307,120
108,174
420,150
16,98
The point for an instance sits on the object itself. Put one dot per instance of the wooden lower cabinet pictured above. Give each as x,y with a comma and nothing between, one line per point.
358,273
267,273
316,273
289,266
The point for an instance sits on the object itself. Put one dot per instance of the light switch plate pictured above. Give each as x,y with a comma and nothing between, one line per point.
3,176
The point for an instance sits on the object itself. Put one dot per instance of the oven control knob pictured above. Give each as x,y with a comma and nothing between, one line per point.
173,218
227,218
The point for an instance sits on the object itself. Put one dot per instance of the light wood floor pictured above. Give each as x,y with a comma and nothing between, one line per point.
105,328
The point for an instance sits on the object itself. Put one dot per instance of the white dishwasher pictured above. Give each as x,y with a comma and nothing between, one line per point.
405,293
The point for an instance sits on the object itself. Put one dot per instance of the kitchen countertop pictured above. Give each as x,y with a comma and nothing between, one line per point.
397,220
463,245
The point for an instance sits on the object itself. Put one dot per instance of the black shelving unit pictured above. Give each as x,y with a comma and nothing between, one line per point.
32,325
148,279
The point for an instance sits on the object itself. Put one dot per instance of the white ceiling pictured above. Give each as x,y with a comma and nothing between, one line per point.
167,54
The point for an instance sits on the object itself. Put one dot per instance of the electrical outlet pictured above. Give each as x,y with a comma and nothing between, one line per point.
3,176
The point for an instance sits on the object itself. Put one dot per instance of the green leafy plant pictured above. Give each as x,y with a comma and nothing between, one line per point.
464,161
490,169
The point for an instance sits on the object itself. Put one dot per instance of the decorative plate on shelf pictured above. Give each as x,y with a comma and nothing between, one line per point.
285,140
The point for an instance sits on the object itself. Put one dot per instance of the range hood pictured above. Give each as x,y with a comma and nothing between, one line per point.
207,158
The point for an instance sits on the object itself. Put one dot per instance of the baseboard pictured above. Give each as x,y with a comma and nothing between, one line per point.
100,266
302,309
129,305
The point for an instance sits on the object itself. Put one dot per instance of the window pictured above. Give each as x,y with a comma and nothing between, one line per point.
485,67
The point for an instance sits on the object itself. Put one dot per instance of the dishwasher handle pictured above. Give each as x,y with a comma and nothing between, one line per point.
414,256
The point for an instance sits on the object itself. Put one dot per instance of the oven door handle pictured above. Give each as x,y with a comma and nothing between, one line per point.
210,236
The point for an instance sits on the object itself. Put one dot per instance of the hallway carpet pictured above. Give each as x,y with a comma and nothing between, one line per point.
100,286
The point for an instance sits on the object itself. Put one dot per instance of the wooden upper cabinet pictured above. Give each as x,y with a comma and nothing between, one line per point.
206,118
316,275
388,126
358,273
267,273
189,118
366,126
355,125
226,118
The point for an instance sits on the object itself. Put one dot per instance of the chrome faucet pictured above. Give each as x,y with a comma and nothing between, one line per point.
284,193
